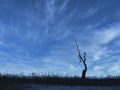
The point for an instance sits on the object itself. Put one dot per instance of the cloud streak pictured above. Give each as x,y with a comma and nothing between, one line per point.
38,35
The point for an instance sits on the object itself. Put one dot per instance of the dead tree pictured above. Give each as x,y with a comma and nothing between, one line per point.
82,59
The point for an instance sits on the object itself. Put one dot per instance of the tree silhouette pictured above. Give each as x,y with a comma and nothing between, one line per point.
82,59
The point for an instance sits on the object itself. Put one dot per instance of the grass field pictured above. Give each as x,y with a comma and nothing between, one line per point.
22,82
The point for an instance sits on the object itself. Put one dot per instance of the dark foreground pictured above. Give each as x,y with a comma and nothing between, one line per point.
58,87
54,82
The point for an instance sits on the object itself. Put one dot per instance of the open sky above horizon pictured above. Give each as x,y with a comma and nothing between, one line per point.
37,36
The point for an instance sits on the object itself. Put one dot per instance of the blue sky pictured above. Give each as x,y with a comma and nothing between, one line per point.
37,36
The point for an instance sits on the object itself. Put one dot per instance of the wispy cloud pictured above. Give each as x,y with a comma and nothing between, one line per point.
50,11
63,6
1,43
108,34
104,69
60,66
114,68
38,36
100,53
89,12
99,70
17,68
96,41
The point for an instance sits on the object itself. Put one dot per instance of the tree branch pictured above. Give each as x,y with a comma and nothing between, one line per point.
79,55
84,56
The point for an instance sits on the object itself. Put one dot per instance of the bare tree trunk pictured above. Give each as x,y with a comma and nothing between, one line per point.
83,74
85,70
